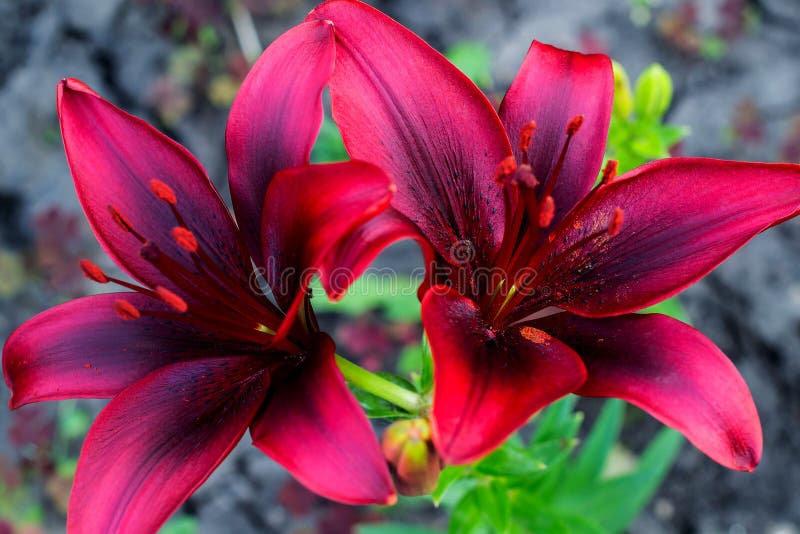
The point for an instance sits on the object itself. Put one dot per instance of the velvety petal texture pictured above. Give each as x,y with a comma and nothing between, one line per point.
672,371
681,218
402,106
275,118
114,157
552,87
315,428
307,211
84,349
487,383
157,441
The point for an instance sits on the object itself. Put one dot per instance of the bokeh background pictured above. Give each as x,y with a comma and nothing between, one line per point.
178,63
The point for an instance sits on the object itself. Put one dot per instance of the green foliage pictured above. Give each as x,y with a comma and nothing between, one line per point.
180,524
395,296
638,134
474,60
329,146
549,484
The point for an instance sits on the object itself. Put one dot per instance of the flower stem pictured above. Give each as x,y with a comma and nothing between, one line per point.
379,386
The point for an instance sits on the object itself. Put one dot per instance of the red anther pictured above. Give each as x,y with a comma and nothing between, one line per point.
506,168
120,219
525,136
547,210
126,310
609,172
526,177
185,238
174,301
615,225
574,125
93,272
163,191
150,252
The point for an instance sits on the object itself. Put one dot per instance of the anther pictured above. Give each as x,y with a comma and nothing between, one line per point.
525,177
525,136
126,310
120,219
546,211
615,225
173,300
609,172
185,238
574,125
93,272
163,191
505,169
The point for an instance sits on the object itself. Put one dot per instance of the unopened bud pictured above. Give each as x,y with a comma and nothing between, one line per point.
413,461
623,97
653,92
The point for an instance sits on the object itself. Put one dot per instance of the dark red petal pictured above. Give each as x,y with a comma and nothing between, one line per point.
314,427
113,157
552,87
275,118
487,384
83,349
307,211
355,251
159,440
672,371
402,106
682,217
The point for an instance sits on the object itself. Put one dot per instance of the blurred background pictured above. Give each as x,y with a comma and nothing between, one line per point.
735,65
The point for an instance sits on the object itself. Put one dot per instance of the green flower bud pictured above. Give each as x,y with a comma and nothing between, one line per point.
653,92
623,98
414,463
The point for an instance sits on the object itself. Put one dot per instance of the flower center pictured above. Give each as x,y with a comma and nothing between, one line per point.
207,296
530,210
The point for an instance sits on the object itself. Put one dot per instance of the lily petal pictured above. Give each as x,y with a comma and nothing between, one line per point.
680,219
82,349
314,427
307,211
354,252
402,106
672,371
552,87
276,118
487,384
159,440
114,157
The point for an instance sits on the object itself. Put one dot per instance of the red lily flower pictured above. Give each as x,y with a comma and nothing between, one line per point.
519,233
194,356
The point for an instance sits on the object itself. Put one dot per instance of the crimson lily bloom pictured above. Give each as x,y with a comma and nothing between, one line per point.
521,232
194,356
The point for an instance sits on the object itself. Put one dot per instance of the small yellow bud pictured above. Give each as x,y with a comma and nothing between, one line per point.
413,461
653,92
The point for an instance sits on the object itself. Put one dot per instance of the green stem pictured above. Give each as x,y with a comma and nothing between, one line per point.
378,386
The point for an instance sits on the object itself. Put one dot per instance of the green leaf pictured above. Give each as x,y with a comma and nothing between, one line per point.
329,146
615,503
510,461
554,418
394,528
594,452
466,517
426,376
180,524
474,60
448,476
493,501
671,307
395,296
